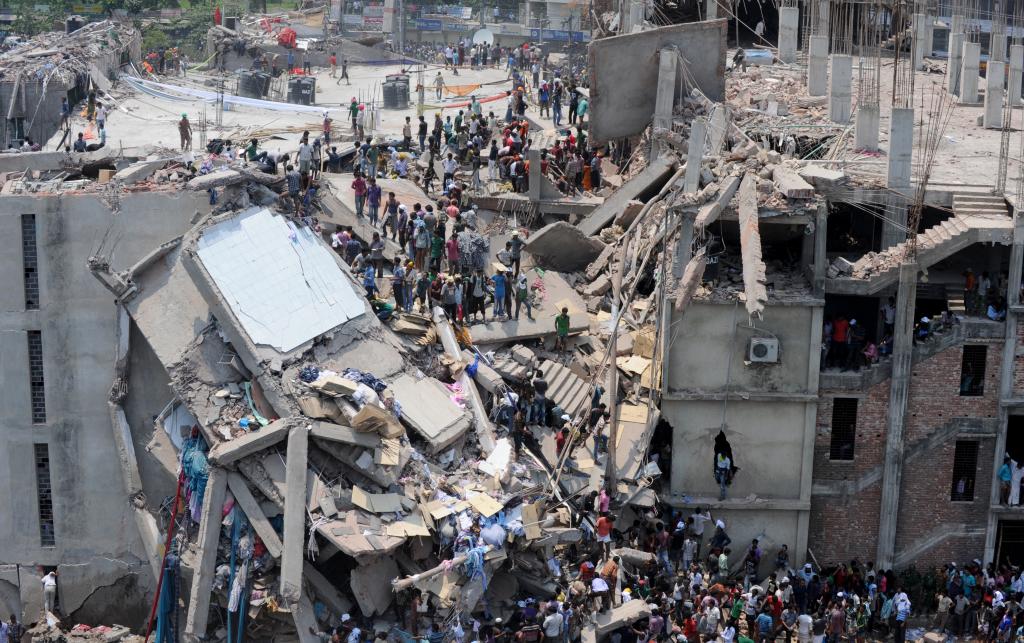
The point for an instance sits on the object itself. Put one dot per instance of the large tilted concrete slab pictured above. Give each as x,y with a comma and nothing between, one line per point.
225,453
197,617
649,180
294,515
609,621
371,585
563,247
243,496
623,90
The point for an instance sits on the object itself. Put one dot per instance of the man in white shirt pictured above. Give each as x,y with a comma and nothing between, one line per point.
698,527
599,590
552,627
50,590
803,628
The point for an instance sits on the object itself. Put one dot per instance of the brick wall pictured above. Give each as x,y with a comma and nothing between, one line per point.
1018,361
845,526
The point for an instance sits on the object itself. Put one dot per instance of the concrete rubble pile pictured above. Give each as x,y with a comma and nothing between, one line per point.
58,56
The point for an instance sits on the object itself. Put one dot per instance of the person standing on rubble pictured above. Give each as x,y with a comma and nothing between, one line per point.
561,330
294,183
523,296
65,114
539,408
185,132
373,194
50,591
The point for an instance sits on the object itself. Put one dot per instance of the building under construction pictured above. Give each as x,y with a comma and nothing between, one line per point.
803,254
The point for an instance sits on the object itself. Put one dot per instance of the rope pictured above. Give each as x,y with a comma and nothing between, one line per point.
167,549
312,549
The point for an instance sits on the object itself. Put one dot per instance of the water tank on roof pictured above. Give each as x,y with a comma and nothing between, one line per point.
390,95
402,98
73,24
294,90
307,90
261,83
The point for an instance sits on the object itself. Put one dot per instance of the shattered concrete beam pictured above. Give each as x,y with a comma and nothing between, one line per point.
243,496
221,178
304,617
635,557
344,434
709,212
197,616
294,515
691,279
325,591
484,430
791,184
607,622
231,451
400,584
754,278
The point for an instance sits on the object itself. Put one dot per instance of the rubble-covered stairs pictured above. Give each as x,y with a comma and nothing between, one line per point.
977,218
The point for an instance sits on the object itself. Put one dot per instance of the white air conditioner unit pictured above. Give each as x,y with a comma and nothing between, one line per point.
764,350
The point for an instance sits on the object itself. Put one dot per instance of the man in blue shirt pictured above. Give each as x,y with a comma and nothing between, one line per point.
500,284
764,626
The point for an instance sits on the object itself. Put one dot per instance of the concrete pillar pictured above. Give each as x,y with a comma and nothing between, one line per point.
534,177
866,133
921,46
823,20
294,515
694,155
1013,85
969,62
997,47
789,26
899,386
664,100
711,9
994,95
954,64
820,249
817,66
901,148
719,127
198,613
840,80
956,25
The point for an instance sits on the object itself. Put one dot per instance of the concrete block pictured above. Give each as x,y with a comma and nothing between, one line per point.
790,184
822,177
371,586
563,247
334,385
524,355
840,82
954,64
789,25
866,132
817,66
598,287
993,114
901,148
486,377
225,453
623,93
629,214
969,66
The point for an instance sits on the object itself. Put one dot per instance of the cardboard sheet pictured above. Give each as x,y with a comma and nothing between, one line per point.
377,503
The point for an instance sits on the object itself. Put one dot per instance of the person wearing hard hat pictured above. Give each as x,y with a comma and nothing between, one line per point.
185,131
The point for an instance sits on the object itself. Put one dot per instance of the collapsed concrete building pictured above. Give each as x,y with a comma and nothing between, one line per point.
346,451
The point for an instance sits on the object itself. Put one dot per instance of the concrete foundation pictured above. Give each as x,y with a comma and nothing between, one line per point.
789,27
840,80
866,133
969,62
695,154
817,66
994,94
901,148
1013,83
953,66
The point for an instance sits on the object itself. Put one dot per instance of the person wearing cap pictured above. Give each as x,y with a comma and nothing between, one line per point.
353,112
185,132
325,637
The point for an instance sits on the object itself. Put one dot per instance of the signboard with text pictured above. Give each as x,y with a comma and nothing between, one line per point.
428,24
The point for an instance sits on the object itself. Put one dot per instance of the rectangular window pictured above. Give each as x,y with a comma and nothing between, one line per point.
844,428
37,386
965,468
30,261
44,494
972,370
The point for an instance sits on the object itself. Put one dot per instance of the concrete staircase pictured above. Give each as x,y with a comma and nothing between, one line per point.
976,218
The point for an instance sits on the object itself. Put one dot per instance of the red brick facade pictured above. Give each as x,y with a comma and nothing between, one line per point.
845,525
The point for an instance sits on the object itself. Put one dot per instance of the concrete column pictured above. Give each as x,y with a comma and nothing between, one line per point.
664,101
994,94
955,62
206,556
535,177
997,47
899,387
294,515
901,148
823,20
921,46
866,133
969,62
817,66
840,80
789,26
719,128
820,251
711,9
1013,85
956,25
694,155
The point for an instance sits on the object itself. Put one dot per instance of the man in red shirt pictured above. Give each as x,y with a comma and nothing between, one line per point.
587,571
604,531
840,331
